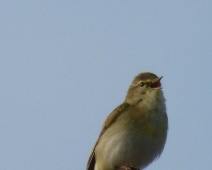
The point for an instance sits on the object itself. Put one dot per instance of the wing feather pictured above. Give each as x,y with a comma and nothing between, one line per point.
110,119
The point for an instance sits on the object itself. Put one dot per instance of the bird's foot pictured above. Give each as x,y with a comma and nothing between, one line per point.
127,168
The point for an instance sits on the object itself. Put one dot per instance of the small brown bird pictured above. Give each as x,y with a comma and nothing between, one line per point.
134,134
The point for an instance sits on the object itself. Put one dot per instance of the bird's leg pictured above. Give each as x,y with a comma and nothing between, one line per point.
127,168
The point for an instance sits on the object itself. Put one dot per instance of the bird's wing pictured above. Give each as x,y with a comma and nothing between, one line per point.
110,119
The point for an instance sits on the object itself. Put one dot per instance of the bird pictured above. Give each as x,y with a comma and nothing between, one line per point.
134,134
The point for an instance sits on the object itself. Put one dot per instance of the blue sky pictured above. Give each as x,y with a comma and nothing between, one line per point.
65,65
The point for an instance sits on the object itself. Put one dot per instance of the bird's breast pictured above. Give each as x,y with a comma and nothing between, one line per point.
132,136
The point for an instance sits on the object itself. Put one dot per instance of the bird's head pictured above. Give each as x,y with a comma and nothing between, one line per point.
145,88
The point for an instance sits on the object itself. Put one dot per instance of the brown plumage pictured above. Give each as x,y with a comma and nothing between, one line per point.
134,134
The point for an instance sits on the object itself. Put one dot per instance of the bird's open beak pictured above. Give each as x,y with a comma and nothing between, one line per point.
156,84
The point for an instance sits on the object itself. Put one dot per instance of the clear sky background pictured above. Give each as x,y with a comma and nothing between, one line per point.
65,65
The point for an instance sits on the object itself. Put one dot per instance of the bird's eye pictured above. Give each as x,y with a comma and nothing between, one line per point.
142,84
